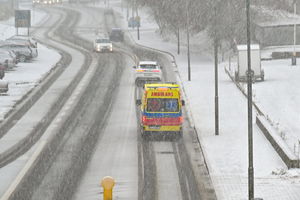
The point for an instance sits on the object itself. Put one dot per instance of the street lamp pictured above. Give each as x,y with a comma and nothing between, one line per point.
132,10
216,72
188,39
249,93
294,60
137,20
138,28
127,13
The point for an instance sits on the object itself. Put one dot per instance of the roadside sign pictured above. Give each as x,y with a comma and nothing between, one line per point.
22,18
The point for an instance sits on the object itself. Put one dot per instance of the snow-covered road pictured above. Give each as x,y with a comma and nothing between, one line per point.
226,154
116,155
152,157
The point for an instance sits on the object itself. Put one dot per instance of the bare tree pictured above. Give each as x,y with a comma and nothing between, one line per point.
230,17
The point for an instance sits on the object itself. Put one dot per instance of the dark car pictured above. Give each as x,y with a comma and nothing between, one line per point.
2,71
116,35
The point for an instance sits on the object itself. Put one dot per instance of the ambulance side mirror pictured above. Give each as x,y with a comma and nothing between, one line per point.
138,102
134,67
183,102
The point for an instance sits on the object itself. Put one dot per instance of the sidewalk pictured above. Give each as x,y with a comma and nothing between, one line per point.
226,154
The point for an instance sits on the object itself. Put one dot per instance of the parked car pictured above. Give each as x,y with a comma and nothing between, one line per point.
14,56
6,62
3,83
25,40
116,35
102,45
9,58
23,52
3,86
31,40
2,71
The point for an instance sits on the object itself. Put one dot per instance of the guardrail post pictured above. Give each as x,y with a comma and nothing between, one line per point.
107,183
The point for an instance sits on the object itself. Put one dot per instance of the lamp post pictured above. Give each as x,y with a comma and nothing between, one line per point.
138,32
132,10
137,20
294,60
216,72
249,93
188,40
127,13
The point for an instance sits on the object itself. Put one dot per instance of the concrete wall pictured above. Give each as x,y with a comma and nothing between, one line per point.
281,148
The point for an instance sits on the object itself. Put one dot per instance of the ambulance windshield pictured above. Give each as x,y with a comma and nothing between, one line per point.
162,105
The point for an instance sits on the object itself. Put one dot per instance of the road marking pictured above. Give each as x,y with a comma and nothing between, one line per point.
168,186
24,171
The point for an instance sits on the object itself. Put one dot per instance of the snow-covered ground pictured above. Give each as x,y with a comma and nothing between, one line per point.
227,154
25,76
279,98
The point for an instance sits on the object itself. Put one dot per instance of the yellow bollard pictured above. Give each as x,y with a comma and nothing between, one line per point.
107,183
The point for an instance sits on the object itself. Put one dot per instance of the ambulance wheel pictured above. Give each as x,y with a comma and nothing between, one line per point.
179,135
138,83
144,134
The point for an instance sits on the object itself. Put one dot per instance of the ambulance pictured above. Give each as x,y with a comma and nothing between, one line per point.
161,109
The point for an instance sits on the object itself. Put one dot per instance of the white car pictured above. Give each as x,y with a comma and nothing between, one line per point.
103,45
25,41
147,71
35,1
23,52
